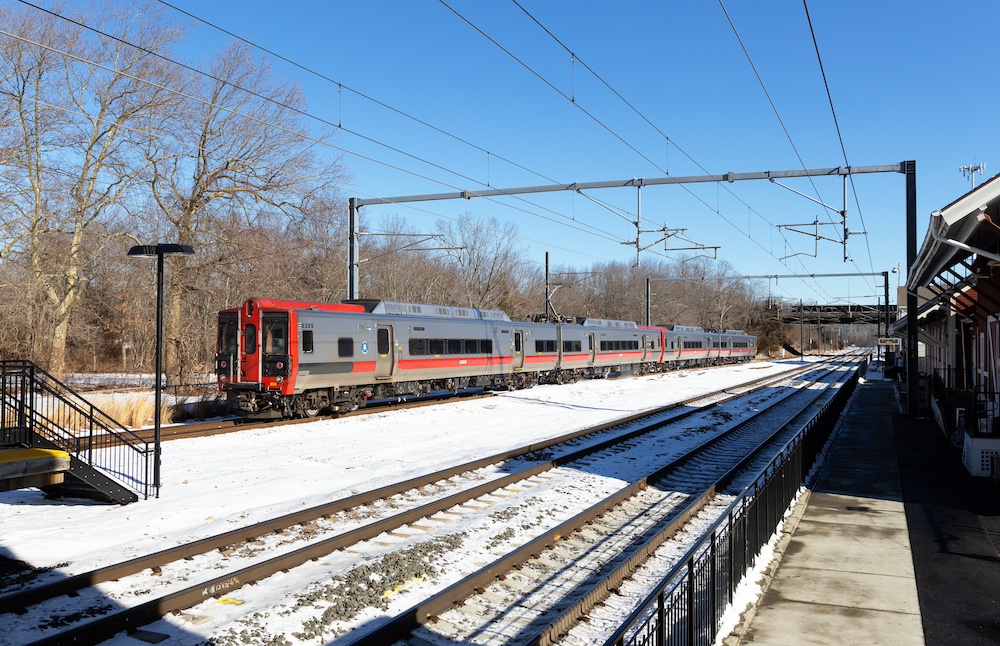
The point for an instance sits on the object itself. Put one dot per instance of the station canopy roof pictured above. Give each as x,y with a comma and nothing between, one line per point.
961,244
967,227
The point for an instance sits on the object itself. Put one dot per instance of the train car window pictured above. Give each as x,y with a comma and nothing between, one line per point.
418,347
517,342
590,343
486,346
250,340
307,340
572,346
454,346
471,346
435,346
382,341
345,346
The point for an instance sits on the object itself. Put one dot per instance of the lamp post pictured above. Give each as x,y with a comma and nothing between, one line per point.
158,251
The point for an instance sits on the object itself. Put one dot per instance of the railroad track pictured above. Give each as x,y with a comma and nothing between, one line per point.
236,424
463,485
536,593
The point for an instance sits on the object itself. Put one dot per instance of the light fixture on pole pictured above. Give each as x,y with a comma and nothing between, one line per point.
158,251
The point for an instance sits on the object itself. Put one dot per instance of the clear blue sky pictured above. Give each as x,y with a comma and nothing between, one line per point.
909,80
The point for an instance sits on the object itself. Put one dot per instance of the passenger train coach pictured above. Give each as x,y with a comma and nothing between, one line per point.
280,358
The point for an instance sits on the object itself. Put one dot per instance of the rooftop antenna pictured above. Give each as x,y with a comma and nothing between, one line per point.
971,171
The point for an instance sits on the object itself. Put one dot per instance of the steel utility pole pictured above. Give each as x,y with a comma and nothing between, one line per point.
355,204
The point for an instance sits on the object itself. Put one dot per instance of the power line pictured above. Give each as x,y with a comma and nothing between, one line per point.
836,125
603,125
767,94
380,103
578,226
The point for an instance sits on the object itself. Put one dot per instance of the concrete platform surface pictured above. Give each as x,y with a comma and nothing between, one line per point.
846,571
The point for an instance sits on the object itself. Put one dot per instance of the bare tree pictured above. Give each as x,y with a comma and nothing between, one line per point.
487,261
238,150
74,100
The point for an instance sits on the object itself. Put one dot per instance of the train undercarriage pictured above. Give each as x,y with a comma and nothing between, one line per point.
246,401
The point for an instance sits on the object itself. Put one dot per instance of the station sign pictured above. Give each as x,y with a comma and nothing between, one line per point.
889,341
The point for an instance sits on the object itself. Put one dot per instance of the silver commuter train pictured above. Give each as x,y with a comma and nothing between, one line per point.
278,358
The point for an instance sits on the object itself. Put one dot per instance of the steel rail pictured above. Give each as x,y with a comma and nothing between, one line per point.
105,627
573,614
17,601
429,609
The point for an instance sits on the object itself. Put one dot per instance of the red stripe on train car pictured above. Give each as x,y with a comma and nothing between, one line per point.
452,362
363,366
544,358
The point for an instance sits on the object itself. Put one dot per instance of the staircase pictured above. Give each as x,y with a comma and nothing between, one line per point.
107,461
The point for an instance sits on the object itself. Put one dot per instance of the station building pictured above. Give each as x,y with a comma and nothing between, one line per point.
956,277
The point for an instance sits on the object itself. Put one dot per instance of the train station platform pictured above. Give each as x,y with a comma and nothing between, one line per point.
894,543
20,468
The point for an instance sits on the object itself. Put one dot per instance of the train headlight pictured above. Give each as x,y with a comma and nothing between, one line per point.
279,378
222,378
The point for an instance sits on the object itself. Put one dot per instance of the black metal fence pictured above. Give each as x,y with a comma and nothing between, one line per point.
687,608
37,410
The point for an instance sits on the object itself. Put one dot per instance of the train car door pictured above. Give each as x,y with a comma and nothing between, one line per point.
250,359
385,358
645,347
518,349
592,348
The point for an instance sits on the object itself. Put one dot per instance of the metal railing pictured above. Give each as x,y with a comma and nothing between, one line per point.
37,410
687,608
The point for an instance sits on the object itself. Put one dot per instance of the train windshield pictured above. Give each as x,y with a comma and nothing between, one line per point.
275,333
229,333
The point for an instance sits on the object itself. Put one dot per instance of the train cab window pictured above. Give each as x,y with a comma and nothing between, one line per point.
418,347
471,346
345,346
454,346
435,346
250,339
274,338
307,340
229,334
486,346
382,341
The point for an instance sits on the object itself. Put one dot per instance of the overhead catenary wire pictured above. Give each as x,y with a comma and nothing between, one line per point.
357,189
574,225
598,231
576,104
422,122
836,124
318,142
435,128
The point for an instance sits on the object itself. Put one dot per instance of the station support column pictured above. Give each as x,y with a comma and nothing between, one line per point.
912,377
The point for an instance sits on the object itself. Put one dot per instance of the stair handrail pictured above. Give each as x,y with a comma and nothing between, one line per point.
102,433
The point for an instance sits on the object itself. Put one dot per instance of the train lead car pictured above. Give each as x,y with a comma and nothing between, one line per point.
278,358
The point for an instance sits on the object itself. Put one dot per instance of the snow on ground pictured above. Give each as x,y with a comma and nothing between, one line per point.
215,484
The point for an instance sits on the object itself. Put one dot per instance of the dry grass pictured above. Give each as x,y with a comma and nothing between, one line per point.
134,410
